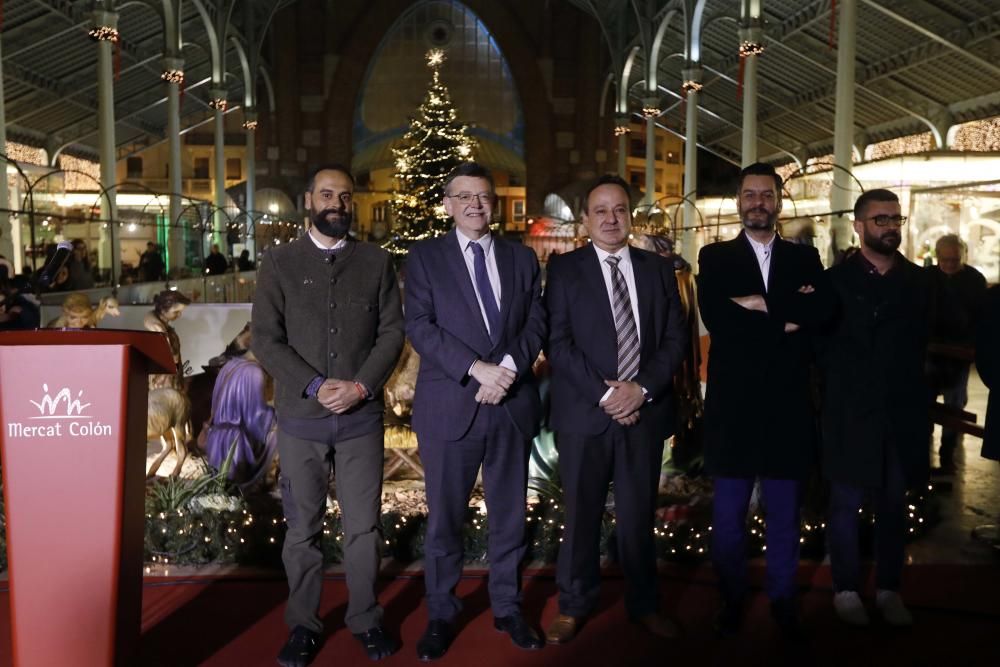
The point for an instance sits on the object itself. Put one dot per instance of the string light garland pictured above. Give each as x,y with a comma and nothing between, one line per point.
690,86
977,135
621,129
227,531
220,103
173,76
107,33
197,521
250,125
103,33
747,48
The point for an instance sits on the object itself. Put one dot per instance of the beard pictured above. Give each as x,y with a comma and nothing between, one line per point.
883,244
335,228
759,224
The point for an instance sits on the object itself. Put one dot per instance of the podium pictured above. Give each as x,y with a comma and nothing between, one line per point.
73,413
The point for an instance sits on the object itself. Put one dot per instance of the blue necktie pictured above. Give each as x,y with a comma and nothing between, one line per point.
486,291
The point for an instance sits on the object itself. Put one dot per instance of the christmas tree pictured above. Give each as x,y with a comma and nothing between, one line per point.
435,144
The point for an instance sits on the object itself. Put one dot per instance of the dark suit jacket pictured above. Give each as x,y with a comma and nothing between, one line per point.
874,386
445,326
759,416
583,346
988,365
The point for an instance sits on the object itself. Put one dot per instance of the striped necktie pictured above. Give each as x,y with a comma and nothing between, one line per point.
628,335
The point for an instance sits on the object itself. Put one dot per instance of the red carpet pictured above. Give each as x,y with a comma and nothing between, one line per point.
227,622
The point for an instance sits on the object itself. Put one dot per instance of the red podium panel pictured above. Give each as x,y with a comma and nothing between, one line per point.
73,412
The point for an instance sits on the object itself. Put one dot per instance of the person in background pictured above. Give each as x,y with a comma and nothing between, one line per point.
243,262
151,264
960,292
988,365
81,276
215,263
18,309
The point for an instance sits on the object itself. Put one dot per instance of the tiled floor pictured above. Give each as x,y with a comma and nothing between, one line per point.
969,498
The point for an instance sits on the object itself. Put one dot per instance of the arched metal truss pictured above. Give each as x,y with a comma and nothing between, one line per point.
921,67
50,76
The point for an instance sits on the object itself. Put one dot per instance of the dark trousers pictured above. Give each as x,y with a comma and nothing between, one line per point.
305,475
729,535
450,470
955,395
890,527
631,458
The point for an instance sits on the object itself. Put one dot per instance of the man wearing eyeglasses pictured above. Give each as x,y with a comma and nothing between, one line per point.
875,402
474,315
761,299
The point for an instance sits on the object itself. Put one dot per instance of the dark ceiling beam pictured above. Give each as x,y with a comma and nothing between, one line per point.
930,34
976,32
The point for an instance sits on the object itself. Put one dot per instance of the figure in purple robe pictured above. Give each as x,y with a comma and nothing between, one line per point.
240,412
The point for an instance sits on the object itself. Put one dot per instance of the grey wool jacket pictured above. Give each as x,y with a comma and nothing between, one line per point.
339,318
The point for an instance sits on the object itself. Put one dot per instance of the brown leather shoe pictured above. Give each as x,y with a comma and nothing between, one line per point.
659,625
562,629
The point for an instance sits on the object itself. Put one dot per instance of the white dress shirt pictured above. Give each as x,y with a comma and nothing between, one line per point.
763,251
486,242
339,244
625,266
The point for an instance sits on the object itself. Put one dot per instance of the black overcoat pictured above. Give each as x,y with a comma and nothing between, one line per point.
988,365
872,363
759,416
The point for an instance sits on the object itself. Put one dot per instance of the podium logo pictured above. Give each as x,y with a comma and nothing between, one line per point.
66,413
62,406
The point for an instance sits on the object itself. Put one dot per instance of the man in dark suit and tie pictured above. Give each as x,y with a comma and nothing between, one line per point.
617,337
759,295
474,315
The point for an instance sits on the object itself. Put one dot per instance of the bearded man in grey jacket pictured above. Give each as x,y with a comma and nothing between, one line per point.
328,326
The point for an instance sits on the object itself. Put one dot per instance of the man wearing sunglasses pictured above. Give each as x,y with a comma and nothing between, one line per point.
474,315
874,422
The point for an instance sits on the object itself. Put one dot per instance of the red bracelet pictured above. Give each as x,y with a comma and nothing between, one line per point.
361,390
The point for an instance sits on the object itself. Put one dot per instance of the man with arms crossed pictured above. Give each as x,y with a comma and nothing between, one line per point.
759,295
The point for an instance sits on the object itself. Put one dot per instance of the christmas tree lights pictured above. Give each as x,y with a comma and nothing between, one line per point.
435,144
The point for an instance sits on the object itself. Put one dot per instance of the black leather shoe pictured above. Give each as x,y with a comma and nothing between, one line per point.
377,642
436,640
785,615
300,649
522,634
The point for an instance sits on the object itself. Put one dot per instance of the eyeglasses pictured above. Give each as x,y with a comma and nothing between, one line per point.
884,220
467,197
